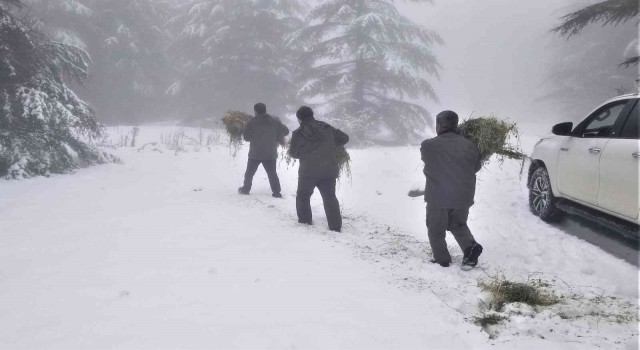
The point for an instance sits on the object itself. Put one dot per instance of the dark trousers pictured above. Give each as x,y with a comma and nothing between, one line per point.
327,188
269,167
441,220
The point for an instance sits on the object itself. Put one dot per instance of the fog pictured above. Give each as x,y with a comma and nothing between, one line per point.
188,61
499,57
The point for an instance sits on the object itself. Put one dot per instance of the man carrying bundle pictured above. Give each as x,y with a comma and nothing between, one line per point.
315,143
450,166
263,132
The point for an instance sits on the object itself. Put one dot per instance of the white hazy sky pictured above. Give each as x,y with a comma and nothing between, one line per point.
494,55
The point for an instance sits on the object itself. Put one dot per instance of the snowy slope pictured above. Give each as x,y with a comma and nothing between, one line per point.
161,252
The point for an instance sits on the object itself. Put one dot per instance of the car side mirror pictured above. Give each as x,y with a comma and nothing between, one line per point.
562,129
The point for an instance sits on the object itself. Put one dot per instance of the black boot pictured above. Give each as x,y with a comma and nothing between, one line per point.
243,190
443,264
470,258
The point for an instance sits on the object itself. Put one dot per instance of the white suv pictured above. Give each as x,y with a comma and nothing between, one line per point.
592,169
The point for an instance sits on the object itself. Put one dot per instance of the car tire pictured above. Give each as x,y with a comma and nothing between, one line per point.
542,202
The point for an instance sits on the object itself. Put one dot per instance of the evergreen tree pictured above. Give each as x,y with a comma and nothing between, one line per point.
127,42
609,12
368,63
599,74
44,126
585,71
231,54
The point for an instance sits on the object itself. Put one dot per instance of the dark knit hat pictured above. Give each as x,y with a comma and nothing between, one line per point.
260,108
304,113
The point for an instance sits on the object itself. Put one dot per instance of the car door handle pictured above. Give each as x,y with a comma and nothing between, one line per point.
595,150
636,154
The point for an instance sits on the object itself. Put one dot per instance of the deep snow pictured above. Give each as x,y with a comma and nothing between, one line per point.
161,252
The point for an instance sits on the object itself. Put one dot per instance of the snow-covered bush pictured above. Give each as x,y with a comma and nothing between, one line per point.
126,41
44,127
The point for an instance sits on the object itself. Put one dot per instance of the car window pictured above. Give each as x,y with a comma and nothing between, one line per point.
631,128
600,124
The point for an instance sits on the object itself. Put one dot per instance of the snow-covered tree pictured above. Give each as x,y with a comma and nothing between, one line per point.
127,42
44,126
586,69
608,12
368,64
232,54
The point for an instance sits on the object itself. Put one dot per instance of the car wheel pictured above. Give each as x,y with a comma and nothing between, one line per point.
541,199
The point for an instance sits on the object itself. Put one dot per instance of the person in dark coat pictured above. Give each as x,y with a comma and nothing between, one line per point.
315,144
263,132
450,166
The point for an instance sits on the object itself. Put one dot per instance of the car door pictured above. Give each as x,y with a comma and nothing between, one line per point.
620,169
579,157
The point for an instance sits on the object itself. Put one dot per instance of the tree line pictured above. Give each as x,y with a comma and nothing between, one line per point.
64,64
361,62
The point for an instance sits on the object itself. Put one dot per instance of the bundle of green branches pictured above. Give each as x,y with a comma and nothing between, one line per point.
342,156
492,136
235,122
344,162
284,152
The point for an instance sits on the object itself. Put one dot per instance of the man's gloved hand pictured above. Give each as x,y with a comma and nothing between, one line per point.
416,193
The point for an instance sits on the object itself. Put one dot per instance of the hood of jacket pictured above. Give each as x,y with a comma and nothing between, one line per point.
311,130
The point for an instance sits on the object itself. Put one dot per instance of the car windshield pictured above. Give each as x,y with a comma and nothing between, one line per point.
602,121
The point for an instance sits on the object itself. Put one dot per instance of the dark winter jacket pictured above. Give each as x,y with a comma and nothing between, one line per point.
263,133
315,144
450,166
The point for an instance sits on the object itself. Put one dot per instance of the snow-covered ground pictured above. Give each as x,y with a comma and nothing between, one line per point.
161,252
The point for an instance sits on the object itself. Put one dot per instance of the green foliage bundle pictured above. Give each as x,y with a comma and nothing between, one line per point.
492,136
342,156
344,162
234,123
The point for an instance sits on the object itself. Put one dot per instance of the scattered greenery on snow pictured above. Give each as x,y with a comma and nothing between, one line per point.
504,291
539,300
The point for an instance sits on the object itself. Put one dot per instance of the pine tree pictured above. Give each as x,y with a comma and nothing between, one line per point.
600,75
127,42
232,54
578,87
44,126
367,63
609,12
